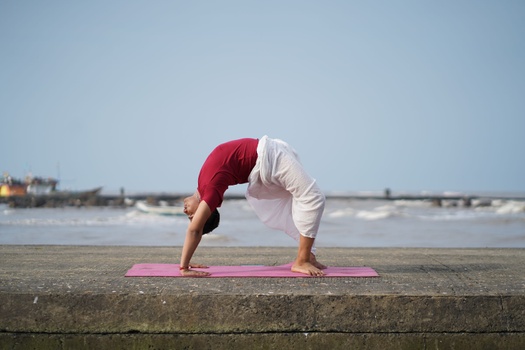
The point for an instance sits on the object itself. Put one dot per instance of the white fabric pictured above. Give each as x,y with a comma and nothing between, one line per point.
281,193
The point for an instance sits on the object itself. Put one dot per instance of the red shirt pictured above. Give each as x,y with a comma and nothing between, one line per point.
228,164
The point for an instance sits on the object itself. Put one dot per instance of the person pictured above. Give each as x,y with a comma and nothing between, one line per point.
279,190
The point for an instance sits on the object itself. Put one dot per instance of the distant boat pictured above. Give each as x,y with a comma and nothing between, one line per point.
37,186
159,209
10,190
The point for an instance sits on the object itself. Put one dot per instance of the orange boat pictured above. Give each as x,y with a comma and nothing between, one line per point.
33,185
7,190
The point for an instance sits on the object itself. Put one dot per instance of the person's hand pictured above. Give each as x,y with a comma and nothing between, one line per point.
193,273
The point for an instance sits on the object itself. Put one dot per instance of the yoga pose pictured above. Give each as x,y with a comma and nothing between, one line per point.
279,190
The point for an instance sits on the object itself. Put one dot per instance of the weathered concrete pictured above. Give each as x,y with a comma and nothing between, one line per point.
77,297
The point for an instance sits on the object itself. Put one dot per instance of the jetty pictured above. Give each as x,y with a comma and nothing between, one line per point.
94,197
76,297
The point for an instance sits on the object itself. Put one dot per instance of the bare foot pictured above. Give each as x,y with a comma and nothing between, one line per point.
306,268
194,273
316,263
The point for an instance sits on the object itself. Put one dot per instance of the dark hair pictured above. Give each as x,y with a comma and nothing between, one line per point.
212,223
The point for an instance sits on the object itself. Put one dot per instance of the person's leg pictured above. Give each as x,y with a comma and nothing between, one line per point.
307,209
302,263
295,202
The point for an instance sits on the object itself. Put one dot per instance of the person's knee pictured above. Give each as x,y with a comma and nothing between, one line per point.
310,235
320,200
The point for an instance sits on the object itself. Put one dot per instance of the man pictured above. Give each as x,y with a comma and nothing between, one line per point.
279,190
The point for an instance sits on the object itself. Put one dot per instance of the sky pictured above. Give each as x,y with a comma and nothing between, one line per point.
409,95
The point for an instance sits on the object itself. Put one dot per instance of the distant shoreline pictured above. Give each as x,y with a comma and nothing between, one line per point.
65,199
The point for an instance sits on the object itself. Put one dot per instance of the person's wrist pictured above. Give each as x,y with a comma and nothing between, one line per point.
183,268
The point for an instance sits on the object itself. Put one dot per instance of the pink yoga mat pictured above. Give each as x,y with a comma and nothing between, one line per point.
172,270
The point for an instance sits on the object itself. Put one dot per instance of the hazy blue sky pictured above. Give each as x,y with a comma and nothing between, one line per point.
411,95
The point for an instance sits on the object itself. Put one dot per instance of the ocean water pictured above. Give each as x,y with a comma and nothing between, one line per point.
346,223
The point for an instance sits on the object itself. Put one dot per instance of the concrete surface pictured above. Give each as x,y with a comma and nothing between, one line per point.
76,297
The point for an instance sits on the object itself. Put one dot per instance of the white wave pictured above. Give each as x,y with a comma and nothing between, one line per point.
451,215
373,215
482,202
412,203
511,207
216,238
498,202
501,207
378,213
89,218
340,213
7,211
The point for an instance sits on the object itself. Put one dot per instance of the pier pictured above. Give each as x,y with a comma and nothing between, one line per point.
95,198
65,297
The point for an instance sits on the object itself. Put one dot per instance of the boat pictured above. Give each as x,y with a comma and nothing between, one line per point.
11,190
39,186
159,209
12,187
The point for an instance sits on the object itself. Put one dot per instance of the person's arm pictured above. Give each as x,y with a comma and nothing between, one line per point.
193,238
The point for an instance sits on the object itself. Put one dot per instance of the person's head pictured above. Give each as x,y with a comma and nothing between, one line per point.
191,204
190,207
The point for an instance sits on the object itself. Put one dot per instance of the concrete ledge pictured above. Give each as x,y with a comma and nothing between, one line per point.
288,341
77,297
223,314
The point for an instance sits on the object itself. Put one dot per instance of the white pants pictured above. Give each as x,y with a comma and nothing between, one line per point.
281,193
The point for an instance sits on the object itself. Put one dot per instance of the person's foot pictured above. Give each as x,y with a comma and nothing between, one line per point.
306,268
316,263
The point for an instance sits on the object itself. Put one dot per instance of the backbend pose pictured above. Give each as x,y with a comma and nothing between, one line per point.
279,190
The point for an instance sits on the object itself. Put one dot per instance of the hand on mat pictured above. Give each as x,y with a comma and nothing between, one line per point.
194,273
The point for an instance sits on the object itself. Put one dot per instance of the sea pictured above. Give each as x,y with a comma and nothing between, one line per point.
347,222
